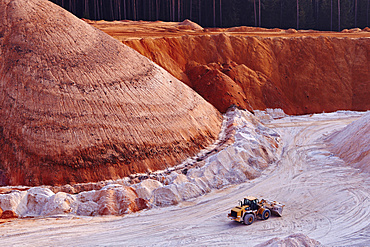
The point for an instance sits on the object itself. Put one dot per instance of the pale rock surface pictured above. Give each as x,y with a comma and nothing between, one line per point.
337,216
59,203
180,179
88,208
166,196
352,143
87,205
113,199
145,188
202,184
37,198
13,201
276,112
294,240
189,190
255,147
269,114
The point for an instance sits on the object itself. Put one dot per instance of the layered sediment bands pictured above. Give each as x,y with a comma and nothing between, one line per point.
300,74
79,106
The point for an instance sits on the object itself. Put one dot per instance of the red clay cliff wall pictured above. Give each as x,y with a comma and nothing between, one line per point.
298,74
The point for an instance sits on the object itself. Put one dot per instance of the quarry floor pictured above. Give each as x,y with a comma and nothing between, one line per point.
325,199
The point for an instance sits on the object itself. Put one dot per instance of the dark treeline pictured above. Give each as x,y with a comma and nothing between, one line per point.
302,14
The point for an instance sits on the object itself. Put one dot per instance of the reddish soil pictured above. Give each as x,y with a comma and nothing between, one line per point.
8,214
79,106
301,71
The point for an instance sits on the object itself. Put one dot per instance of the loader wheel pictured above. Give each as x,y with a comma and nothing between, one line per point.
266,214
248,219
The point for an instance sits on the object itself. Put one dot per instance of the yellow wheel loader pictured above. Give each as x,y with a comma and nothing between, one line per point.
251,208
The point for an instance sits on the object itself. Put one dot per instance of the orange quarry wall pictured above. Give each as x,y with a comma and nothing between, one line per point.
301,75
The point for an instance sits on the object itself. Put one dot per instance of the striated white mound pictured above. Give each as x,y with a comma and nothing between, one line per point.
352,144
294,240
255,147
269,114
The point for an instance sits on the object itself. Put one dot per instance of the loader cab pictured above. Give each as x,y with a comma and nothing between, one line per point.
252,202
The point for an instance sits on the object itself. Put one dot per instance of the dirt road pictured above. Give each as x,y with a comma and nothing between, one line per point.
325,199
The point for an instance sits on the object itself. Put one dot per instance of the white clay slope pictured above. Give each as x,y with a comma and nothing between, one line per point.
352,143
326,200
254,149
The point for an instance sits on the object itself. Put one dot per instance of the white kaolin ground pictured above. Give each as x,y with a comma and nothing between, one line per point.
325,199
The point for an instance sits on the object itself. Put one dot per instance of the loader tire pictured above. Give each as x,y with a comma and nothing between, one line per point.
248,219
266,214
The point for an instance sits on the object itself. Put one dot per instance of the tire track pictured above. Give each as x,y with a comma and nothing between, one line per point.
324,198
